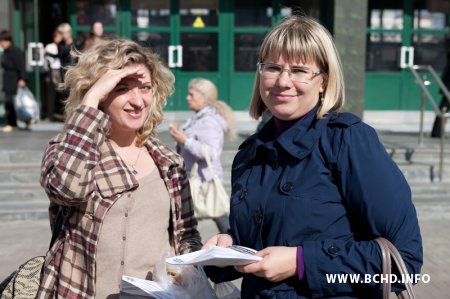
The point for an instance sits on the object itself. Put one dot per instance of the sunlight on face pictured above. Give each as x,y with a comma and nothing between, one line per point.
196,100
288,99
129,102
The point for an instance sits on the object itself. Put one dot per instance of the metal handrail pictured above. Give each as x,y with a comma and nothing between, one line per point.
442,114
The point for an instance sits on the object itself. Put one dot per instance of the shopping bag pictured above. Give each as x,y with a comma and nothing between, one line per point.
27,109
210,198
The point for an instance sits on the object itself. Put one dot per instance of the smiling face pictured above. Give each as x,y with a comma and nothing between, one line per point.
129,103
287,99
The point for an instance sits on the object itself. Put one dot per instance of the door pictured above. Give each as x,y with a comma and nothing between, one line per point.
401,34
215,39
185,33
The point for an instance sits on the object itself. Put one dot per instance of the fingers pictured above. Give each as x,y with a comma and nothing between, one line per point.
278,264
221,240
105,84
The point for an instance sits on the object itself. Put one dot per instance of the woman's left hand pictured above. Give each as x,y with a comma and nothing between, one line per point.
278,263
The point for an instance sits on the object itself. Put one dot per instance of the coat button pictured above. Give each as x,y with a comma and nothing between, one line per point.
287,187
243,194
258,217
333,249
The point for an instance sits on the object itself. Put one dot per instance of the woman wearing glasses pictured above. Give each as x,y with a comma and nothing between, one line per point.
314,187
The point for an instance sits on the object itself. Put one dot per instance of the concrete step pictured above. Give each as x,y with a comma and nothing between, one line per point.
21,192
20,173
24,210
21,156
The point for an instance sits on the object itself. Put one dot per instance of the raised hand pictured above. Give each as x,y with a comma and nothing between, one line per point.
103,86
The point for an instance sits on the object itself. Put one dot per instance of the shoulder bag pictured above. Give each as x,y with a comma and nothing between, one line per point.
390,253
210,198
24,282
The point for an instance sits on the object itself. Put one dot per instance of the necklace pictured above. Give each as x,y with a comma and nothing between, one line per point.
133,170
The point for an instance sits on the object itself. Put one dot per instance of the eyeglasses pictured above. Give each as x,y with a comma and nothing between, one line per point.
296,73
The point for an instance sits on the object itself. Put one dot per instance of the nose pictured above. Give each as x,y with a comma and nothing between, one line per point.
136,98
284,79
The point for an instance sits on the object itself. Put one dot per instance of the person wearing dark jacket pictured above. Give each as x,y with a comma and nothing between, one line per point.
436,130
314,188
14,76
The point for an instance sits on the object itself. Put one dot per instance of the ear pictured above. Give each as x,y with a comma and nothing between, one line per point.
324,84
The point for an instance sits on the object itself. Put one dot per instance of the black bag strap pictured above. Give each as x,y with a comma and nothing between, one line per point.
63,213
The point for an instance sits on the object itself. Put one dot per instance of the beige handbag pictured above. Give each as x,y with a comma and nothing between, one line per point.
210,198
388,252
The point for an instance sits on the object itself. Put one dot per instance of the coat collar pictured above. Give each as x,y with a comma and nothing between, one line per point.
298,141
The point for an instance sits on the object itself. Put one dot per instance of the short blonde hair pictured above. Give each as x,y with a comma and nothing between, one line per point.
116,54
64,27
305,39
209,91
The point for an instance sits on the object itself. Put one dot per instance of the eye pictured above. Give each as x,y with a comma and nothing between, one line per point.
146,88
272,68
299,70
121,89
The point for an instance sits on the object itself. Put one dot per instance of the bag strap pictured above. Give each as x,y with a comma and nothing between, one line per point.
208,160
388,252
63,213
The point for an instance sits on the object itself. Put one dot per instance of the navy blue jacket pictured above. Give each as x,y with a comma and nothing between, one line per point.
327,185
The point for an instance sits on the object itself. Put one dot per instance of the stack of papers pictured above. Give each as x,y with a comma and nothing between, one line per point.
217,256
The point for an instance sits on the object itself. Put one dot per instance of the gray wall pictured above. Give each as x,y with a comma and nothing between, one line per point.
350,23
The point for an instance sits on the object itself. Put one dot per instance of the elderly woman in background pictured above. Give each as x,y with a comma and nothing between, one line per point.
212,123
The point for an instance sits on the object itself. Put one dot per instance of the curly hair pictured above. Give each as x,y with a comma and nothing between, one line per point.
116,54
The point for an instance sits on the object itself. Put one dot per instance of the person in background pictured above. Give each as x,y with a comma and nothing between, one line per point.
67,58
14,76
126,195
95,35
211,124
65,46
445,103
52,78
314,188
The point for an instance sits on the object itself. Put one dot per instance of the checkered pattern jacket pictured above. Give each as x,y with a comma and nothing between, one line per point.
81,170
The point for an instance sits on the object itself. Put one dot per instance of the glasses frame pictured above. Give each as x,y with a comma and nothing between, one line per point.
260,66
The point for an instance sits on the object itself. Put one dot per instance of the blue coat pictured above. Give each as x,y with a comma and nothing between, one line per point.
327,185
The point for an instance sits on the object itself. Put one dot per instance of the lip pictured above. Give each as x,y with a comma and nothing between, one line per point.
134,113
283,97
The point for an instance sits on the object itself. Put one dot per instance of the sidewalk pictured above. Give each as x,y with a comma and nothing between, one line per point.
20,240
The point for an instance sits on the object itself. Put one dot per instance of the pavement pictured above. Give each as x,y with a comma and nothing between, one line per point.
21,240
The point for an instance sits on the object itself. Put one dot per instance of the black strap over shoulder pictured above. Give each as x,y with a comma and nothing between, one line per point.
63,213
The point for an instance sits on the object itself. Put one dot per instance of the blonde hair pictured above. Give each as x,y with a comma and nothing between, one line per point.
116,54
209,91
64,27
305,39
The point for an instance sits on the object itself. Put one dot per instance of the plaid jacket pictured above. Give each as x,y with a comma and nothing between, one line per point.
81,170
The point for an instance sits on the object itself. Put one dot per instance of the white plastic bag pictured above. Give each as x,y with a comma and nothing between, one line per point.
25,104
181,282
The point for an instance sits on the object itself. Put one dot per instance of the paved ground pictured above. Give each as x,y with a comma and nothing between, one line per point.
20,240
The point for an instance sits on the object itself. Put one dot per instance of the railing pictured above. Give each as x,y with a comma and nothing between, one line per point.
423,82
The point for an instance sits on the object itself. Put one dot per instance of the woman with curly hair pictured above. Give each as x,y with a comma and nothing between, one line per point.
128,195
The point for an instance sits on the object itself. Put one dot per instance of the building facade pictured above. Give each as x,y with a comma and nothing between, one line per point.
219,40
